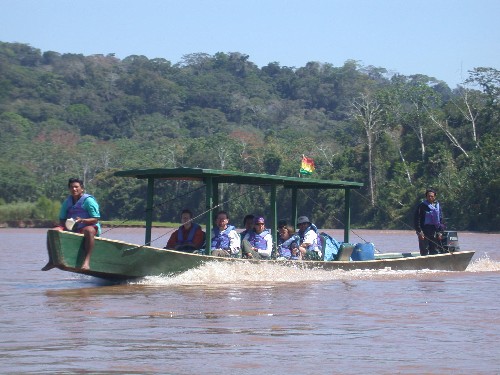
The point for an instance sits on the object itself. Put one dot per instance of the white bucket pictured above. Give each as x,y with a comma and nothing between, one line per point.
70,223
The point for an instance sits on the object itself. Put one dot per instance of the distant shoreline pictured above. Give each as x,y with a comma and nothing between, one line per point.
27,224
47,224
51,223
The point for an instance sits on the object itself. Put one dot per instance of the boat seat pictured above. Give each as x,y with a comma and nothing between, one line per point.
345,251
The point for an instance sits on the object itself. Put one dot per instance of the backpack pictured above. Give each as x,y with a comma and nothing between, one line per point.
329,245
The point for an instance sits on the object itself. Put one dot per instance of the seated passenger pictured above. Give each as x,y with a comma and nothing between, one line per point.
281,223
308,234
258,243
188,237
225,240
248,225
288,243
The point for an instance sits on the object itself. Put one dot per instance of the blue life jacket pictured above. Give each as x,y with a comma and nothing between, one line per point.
285,248
433,216
257,240
220,240
189,239
76,210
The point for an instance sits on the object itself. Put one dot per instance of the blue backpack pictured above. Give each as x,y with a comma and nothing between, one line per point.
329,245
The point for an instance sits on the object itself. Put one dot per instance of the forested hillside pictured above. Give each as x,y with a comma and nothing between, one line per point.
69,115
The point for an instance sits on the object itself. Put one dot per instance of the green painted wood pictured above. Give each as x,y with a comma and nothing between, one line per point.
209,202
213,178
149,209
274,217
116,260
294,208
347,214
119,260
225,176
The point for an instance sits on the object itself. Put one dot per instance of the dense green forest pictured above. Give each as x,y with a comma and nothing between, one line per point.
70,115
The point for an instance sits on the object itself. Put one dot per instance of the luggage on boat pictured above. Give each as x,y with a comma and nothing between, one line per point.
363,251
329,246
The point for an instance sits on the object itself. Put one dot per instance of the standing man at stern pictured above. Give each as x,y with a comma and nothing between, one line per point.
428,221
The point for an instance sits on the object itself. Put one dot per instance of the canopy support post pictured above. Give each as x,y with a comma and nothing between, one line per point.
294,208
347,214
274,217
209,201
149,209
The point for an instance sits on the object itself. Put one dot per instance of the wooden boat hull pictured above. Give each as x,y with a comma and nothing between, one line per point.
117,260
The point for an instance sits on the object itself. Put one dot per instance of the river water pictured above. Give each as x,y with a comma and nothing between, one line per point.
250,319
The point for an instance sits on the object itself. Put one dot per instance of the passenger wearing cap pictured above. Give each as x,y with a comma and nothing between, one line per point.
258,243
308,234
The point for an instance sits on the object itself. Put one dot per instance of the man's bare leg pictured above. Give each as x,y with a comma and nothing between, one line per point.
89,234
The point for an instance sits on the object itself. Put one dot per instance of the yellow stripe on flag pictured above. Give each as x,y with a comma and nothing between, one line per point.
307,166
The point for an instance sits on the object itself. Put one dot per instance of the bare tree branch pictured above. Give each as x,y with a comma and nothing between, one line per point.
469,113
368,112
323,149
446,129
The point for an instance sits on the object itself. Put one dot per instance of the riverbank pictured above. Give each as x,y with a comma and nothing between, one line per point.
105,224
28,224
33,223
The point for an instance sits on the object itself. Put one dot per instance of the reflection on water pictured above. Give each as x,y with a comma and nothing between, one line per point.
248,318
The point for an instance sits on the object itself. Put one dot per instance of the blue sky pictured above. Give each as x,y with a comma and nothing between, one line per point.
440,38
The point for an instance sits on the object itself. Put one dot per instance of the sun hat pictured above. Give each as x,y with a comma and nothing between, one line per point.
302,219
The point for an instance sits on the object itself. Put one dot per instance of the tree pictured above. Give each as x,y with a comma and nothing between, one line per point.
17,183
65,115
415,96
488,79
367,112
444,126
469,107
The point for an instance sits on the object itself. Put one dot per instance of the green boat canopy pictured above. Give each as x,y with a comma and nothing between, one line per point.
224,176
212,178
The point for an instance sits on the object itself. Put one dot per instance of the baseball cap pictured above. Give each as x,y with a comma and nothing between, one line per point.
258,220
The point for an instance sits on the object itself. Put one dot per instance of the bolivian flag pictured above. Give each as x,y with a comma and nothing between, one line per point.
307,166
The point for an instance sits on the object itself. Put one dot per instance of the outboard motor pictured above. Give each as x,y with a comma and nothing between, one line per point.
449,243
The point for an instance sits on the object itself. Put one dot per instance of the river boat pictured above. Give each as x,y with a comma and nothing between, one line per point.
118,260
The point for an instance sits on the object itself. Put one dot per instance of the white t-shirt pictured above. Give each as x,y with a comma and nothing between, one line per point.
234,242
311,238
269,240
